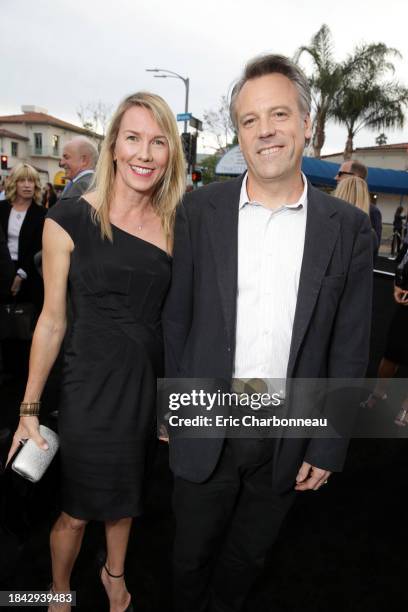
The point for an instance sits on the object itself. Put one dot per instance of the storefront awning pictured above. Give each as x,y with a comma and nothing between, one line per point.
322,173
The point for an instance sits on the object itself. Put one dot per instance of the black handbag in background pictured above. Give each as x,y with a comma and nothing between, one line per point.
17,321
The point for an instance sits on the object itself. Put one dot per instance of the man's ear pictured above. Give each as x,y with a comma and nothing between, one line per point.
308,126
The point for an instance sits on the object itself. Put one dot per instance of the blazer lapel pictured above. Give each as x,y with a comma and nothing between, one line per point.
223,229
322,228
5,209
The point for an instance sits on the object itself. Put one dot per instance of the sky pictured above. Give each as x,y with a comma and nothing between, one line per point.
61,54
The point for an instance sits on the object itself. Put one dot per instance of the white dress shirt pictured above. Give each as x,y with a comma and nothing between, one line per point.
270,252
16,219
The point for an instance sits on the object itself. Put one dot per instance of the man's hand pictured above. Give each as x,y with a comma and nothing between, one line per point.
310,478
401,296
16,286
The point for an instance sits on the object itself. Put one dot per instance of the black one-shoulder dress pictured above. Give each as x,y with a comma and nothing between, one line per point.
113,356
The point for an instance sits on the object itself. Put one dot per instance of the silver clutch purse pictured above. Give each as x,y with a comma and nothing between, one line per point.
32,461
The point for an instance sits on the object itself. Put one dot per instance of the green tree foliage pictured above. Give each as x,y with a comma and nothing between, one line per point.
208,165
367,99
381,139
354,92
325,82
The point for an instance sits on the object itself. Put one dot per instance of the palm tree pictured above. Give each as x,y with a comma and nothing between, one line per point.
381,139
366,100
338,86
325,82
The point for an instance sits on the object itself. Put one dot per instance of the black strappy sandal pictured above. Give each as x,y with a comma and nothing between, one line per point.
130,606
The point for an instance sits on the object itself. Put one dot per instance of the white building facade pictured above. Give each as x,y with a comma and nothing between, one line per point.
38,138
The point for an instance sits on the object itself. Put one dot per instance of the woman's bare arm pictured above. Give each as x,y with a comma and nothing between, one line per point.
50,329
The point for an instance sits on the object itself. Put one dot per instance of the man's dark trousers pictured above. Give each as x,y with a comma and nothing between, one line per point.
225,527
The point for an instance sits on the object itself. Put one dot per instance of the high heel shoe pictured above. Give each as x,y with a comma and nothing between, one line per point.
130,605
372,400
402,418
57,605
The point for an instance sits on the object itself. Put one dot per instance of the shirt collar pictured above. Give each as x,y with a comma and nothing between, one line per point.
244,199
81,174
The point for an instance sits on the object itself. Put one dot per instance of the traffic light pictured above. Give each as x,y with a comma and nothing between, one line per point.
193,149
4,162
186,142
196,176
189,142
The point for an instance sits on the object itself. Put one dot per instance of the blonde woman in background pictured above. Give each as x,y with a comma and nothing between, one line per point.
113,246
354,190
22,221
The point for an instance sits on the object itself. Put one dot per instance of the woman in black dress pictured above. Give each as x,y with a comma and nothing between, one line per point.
111,249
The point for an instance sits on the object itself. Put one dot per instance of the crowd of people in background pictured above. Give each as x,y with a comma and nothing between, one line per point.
24,205
23,208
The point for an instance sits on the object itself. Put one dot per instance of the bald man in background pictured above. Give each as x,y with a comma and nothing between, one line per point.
79,157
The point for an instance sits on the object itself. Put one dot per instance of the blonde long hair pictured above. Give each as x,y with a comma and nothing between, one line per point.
354,190
168,191
21,172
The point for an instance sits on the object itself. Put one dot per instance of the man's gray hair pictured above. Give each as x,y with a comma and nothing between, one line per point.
272,64
85,146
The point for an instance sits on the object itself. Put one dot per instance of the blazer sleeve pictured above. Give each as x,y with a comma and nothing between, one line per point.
178,308
349,354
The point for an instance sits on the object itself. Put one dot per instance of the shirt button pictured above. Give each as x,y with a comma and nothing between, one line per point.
229,349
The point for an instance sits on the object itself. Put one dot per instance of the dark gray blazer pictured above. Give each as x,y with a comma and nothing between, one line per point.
78,187
7,270
332,320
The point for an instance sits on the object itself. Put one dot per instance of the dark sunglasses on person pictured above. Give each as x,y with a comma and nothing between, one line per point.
343,173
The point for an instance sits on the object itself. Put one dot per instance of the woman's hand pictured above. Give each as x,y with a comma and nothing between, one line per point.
16,286
401,296
28,427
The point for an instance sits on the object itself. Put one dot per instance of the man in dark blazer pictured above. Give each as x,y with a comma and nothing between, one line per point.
79,157
271,279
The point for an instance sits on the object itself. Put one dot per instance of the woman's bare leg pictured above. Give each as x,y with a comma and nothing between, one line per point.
65,540
117,537
387,369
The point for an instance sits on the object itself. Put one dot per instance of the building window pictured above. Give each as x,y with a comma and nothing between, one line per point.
55,145
14,149
37,144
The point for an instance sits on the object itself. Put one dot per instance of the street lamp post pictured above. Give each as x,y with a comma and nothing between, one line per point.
173,75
